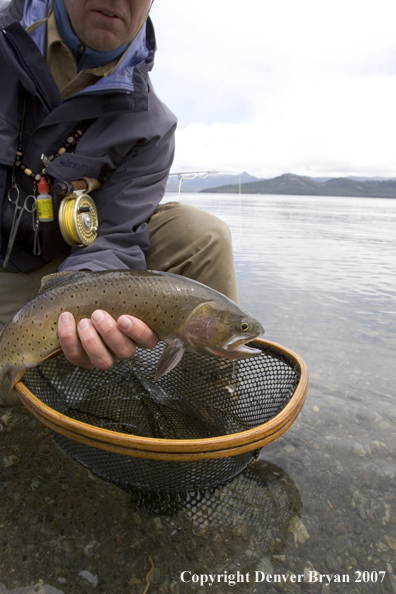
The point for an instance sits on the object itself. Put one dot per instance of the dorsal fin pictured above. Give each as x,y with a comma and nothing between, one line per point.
59,278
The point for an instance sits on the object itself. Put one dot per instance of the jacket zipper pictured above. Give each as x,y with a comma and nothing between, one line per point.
103,92
27,70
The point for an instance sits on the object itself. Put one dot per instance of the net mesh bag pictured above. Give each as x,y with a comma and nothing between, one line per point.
202,398
243,521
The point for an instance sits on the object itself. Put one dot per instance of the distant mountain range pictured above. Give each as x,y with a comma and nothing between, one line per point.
291,184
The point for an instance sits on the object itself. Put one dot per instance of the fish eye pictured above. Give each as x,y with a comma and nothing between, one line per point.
245,326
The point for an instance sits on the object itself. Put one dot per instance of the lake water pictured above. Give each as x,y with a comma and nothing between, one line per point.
319,273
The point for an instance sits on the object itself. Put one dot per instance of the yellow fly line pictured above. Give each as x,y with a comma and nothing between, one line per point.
190,175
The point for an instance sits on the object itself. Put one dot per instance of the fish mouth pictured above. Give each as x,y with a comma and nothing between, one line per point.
236,348
245,351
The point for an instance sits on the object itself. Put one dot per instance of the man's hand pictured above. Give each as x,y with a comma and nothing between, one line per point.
86,345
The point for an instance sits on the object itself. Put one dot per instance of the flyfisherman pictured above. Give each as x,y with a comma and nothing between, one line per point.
77,102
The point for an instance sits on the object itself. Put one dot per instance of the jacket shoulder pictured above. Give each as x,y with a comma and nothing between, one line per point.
13,12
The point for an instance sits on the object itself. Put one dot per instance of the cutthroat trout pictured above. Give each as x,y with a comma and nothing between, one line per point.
183,313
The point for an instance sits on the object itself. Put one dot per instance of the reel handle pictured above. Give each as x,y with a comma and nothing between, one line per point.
87,184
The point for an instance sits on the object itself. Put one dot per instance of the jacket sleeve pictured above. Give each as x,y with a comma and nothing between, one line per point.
125,202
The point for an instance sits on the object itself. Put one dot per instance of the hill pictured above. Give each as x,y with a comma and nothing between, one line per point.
290,184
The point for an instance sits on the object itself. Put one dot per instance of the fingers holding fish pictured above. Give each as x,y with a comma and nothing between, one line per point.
94,347
122,345
138,331
88,343
70,342
120,337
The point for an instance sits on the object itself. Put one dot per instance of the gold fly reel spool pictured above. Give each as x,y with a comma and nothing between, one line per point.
78,220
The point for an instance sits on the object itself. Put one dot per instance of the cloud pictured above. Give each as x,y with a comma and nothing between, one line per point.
337,128
269,87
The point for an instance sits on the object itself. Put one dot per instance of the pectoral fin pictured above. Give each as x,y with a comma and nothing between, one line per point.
170,357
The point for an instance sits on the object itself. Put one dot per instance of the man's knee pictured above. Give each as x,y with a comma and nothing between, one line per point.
192,242
187,224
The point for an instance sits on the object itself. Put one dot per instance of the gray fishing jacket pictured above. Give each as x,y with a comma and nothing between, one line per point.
129,141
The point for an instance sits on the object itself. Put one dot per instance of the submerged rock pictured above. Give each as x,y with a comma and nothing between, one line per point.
358,449
89,577
299,531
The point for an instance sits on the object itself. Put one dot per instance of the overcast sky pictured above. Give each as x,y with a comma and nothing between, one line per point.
278,86
269,87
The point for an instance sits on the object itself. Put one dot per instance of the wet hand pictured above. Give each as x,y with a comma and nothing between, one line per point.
97,342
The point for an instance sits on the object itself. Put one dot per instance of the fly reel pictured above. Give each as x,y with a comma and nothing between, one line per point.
78,220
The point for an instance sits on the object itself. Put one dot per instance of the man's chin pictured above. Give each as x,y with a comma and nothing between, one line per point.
103,37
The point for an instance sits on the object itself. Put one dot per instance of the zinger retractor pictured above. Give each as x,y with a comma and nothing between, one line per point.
78,220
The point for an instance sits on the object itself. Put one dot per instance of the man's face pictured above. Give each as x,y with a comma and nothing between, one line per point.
104,25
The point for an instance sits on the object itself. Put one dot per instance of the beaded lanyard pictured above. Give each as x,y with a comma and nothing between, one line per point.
70,143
